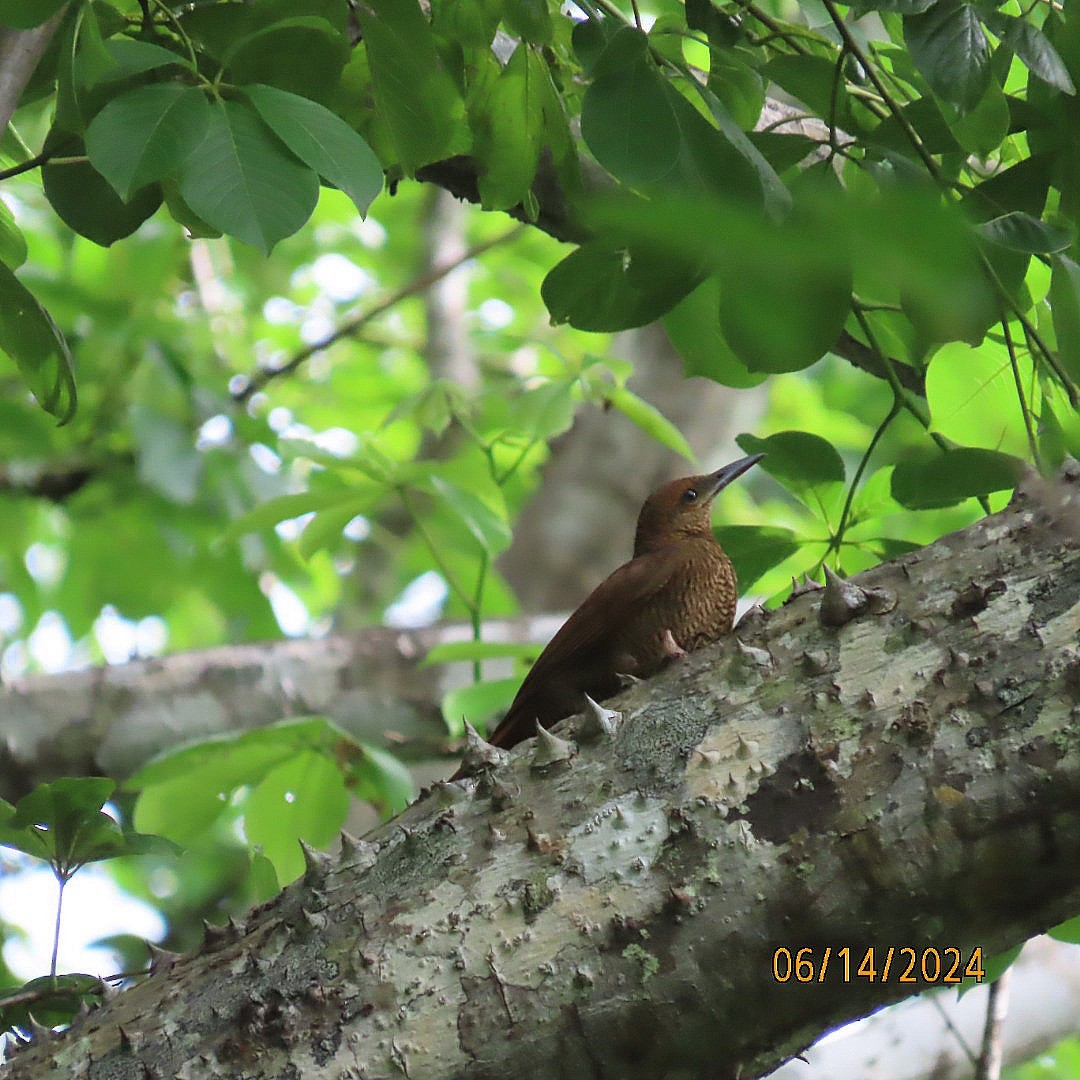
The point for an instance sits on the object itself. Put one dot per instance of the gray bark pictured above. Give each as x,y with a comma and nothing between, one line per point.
895,767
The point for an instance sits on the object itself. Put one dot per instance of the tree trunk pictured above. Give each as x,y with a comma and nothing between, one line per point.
889,766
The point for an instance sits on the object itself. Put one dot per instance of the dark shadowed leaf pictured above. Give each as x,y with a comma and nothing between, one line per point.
626,118
1018,231
34,342
950,49
598,288
86,201
1065,305
797,458
1034,49
754,549
943,479
23,14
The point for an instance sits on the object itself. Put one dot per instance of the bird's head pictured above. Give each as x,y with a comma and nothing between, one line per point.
681,509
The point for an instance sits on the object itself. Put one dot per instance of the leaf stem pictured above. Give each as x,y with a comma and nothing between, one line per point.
62,880
1014,364
890,416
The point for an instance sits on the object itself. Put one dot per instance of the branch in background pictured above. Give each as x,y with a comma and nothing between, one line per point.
110,720
57,482
989,1067
20,52
259,379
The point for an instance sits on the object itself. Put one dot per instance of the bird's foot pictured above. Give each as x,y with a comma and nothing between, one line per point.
672,649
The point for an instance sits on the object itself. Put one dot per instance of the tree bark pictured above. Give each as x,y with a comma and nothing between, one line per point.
896,765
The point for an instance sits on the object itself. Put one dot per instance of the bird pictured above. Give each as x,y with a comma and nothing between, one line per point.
676,594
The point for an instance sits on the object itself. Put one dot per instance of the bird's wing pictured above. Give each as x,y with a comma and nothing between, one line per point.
587,630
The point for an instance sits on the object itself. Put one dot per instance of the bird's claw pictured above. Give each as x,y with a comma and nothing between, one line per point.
672,649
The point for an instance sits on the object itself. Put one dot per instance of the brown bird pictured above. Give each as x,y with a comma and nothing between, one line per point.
676,594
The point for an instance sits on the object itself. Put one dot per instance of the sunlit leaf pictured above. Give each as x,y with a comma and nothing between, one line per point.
478,703
651,421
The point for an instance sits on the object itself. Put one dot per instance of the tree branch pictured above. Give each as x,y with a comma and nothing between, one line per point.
110,720
907,779
20,51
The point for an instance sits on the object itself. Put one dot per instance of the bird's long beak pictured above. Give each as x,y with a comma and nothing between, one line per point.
722,477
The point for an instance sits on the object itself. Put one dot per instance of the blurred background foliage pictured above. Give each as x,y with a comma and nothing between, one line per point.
319,441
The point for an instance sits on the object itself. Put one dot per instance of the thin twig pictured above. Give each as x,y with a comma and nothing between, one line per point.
1014,364
856,50
997,1005
257,381
953,1030
890,416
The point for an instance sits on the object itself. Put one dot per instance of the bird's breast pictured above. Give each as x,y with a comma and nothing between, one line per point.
696,606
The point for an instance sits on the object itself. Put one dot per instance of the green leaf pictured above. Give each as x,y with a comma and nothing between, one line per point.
24,14
488,527
1065,306
451,652
949,47
529,20
901,7
146,134
302,54
798,459
243,181
755,549
33,341
87,203
52,1000
284,507
972,396
944,479
542,412
478,703
605,288
511,130
693,327
627,121
63,823
1018,231
993,968
1034,48
227,761
1067,931
414,93
321,140
651,421
383,781
815,285
130,57
302,798
12,241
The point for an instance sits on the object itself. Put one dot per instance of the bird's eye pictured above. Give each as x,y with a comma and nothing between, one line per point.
690,495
